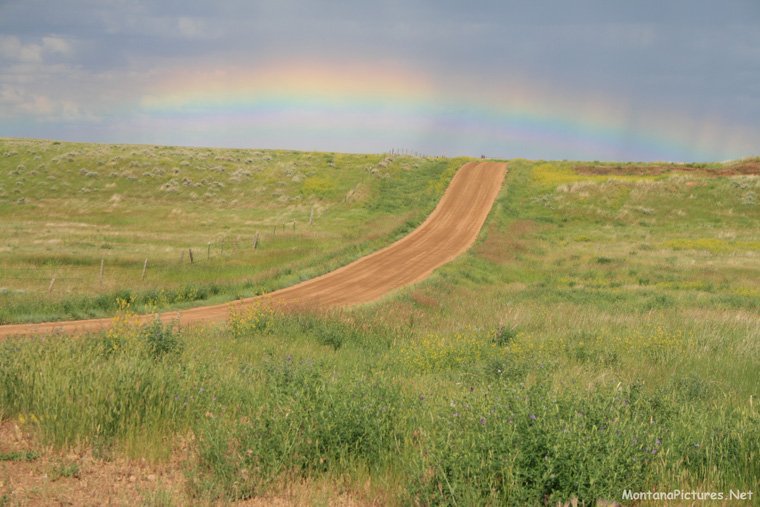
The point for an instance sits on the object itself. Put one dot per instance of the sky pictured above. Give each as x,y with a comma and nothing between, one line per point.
669,80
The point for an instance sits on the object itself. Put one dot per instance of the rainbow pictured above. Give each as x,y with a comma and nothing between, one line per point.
359,107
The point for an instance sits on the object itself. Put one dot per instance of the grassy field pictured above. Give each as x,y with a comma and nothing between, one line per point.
66,208
603,335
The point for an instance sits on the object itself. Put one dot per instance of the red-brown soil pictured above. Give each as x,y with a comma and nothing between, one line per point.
741,167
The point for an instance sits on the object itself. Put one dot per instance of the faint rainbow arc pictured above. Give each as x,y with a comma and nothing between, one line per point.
528,119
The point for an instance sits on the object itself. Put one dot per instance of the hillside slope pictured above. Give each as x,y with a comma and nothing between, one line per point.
140,211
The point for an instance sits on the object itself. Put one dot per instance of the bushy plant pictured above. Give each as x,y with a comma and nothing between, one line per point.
504,334
250,320
160,339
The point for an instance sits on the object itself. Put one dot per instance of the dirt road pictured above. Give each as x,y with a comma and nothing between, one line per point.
449,230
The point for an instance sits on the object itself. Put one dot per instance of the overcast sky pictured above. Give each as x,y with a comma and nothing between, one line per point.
587,79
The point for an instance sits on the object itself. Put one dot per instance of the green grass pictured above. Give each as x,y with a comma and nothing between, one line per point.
67,207
64,470
19,456
574,351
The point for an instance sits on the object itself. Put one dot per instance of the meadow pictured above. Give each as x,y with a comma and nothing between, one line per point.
83,225
601,336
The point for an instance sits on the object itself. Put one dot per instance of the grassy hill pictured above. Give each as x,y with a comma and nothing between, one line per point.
601,336
66,208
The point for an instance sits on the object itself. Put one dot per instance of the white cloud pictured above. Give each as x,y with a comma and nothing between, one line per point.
57,45
19,101
145,24
40,105
10,96
12,48
191,27
16,101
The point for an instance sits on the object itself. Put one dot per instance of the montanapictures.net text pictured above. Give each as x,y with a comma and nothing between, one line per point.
680,494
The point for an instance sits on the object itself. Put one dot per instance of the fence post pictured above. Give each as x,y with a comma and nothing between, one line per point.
145,266
102,261
191,254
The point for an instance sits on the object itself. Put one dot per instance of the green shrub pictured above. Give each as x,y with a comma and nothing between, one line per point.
504,335
160,340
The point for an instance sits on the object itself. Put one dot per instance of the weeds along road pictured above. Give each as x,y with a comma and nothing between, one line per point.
449,231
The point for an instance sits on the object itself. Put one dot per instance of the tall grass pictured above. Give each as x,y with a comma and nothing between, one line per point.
529,422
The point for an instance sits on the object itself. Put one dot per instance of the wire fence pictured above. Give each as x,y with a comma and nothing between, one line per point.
45,275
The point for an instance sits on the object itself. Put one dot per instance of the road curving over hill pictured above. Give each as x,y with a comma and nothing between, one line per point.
448,232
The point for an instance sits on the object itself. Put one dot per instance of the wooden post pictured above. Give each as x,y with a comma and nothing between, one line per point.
50,287
191,254
145,266
102,261
256,240
208,251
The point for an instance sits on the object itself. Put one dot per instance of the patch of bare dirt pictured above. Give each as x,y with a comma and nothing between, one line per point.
741,167
34,475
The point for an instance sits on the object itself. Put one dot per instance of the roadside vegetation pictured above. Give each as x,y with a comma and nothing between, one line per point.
602,335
